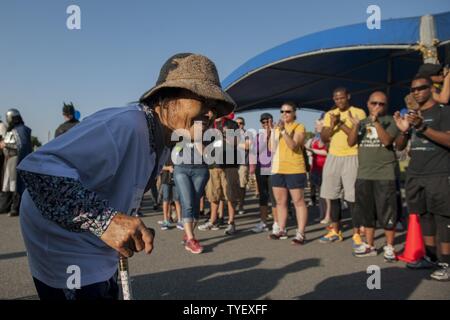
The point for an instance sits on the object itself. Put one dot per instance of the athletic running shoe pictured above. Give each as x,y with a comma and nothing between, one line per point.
165,225
206,226
219,223
325,221
260,227
357,241
230,230
442,274
299,238
424,263
331,236
275,228
180,226
193,246
364,250
389,253
280,235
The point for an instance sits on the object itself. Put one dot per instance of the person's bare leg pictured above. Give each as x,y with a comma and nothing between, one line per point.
264,212
281,198
202,204
241,198
301,211
370,236
445,248
189,230
431,249
231,212
328,210
220,209
275,214
178,211
214,210
166,214
390,236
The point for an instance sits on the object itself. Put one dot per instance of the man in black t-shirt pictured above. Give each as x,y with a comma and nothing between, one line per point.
427,181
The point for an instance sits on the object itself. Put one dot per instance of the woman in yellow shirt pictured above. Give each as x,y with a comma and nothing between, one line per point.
289,172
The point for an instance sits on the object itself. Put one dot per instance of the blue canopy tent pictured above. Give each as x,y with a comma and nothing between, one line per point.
307,69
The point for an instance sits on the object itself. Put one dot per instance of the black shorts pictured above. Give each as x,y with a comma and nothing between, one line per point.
376,200
289,181
435,225
265,189
428,195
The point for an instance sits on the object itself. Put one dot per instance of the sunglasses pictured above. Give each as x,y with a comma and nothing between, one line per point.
264,121
377,103
239,123
286,111
420,88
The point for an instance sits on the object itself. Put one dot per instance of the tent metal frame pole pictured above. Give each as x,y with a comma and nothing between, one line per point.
389,76
428,39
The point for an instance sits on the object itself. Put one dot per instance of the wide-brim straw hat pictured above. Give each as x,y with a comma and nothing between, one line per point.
197,74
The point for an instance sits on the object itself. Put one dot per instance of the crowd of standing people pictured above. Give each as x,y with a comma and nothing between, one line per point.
351,163
93,195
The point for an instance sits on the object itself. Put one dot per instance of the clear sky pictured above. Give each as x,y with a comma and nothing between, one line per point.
121,46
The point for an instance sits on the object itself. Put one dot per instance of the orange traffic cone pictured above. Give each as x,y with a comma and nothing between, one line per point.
414,248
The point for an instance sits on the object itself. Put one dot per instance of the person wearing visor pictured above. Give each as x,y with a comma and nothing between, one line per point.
84,188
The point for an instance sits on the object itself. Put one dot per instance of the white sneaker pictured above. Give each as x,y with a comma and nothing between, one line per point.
260,227
389,253
206,226
275,228
364,250
230,230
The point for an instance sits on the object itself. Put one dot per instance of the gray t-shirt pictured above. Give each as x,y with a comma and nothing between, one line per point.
376,162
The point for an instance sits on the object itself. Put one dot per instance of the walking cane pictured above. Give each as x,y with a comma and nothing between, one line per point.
125,276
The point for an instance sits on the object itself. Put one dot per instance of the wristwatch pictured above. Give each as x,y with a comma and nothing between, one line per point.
422,128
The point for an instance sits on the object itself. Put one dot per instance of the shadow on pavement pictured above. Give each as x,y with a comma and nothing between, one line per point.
354,286
207,282
13,255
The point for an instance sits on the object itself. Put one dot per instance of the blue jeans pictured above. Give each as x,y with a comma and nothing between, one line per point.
191,182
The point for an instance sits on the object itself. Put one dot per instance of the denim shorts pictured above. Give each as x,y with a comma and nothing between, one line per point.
169,193
289,181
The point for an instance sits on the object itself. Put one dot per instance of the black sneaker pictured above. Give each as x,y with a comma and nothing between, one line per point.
424,263
442,274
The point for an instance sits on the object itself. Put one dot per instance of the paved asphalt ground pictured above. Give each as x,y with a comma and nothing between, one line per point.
243,266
